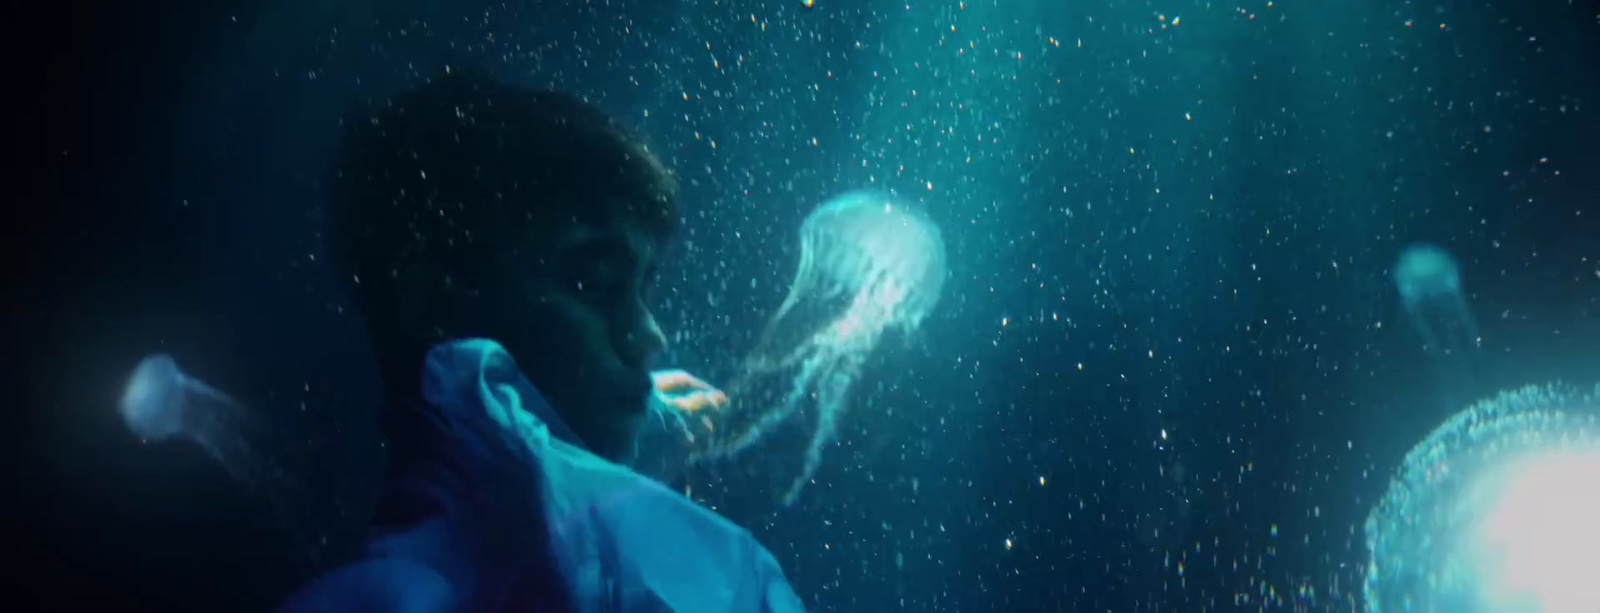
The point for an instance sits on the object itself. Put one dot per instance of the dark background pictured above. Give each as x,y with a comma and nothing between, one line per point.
1222,278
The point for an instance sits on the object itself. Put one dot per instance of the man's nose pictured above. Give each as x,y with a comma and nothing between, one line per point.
646,340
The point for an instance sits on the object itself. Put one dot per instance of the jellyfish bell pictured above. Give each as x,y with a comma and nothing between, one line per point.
1494,511
152,403
1425,270
869,265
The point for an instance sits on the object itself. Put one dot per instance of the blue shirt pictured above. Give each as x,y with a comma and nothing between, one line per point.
521,518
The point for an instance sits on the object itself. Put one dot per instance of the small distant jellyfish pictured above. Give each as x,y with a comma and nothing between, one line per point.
1429,281
1497,510
869,265
162,403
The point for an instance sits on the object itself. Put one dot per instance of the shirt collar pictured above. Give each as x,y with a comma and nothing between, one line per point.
472,372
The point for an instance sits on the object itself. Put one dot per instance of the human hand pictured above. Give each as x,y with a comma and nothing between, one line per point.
693,400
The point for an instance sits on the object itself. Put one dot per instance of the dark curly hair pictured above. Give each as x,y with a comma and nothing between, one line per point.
454,173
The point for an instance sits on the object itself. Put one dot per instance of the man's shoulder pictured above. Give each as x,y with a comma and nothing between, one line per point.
387,585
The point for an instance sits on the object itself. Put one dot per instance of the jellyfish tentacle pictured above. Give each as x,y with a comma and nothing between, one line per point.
210,393
1469,324
213,416
746,435
832,402
1430,338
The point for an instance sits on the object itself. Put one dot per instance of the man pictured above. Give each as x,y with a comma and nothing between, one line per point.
499,242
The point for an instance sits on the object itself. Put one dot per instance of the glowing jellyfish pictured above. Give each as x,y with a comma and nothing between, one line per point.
1497,510
162,403
868,266
1430,290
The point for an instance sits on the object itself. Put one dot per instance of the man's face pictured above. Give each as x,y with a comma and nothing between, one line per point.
579,327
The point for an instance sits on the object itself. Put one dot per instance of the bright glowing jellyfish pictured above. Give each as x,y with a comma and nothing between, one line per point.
1429,281
1497,510
868,265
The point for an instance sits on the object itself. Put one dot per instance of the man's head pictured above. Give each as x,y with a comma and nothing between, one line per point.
469,208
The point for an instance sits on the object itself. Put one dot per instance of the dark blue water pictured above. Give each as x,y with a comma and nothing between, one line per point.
1169,371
